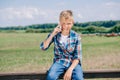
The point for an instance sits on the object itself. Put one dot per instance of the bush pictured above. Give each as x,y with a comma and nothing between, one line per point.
29,31
94,29
77,29
38,30
115,29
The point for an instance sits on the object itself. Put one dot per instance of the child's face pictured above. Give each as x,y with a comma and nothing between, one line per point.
66,24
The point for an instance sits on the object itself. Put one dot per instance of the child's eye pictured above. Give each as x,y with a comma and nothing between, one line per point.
63,24
69,23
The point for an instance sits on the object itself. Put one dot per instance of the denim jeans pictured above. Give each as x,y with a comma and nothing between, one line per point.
57,69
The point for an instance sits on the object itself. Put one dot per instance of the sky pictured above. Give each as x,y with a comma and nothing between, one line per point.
28,12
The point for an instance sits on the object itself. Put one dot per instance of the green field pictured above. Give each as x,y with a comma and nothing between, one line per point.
20,52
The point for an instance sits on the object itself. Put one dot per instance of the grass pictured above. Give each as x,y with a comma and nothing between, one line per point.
20,52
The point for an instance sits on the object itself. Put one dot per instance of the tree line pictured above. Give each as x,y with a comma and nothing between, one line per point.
87,27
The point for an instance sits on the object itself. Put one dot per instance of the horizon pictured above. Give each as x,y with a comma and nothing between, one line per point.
56,23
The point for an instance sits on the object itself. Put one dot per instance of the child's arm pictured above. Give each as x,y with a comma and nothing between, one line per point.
48,41
77,59
68,73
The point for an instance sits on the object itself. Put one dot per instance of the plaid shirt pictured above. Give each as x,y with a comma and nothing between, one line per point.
64,55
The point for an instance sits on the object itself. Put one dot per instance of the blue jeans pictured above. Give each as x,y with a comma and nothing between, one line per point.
57,69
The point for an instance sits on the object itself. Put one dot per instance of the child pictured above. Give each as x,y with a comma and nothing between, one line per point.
67,49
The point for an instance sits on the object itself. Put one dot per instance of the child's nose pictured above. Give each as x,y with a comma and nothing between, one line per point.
66,25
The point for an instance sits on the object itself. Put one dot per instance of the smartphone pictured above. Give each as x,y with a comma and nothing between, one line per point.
59,26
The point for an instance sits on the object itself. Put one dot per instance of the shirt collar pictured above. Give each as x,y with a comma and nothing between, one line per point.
70,34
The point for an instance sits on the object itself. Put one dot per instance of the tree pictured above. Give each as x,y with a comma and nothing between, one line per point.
115,29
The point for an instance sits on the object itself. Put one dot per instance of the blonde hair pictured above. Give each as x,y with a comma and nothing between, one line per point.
67,14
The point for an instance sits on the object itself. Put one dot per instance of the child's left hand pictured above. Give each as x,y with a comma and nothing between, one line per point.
68,75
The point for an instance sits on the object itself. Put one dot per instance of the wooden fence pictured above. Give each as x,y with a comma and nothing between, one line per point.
42,75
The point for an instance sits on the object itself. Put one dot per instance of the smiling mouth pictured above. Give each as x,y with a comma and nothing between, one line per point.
65,29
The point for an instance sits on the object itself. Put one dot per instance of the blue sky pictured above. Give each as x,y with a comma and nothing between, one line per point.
27,12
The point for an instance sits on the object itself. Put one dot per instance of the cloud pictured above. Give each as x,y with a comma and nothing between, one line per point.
112,16
112,10
26,16
112,4
103,11
22,13
79,15
61,4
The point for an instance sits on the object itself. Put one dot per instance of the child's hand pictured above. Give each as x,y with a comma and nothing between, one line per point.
68,75
56,30
59,26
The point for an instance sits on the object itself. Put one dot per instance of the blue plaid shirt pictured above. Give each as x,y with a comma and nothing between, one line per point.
64,55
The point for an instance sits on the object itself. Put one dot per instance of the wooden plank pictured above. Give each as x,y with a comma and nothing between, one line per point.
21,76
102,74
42,75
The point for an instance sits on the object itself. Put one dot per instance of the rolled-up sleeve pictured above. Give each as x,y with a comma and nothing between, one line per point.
42,44
78,50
